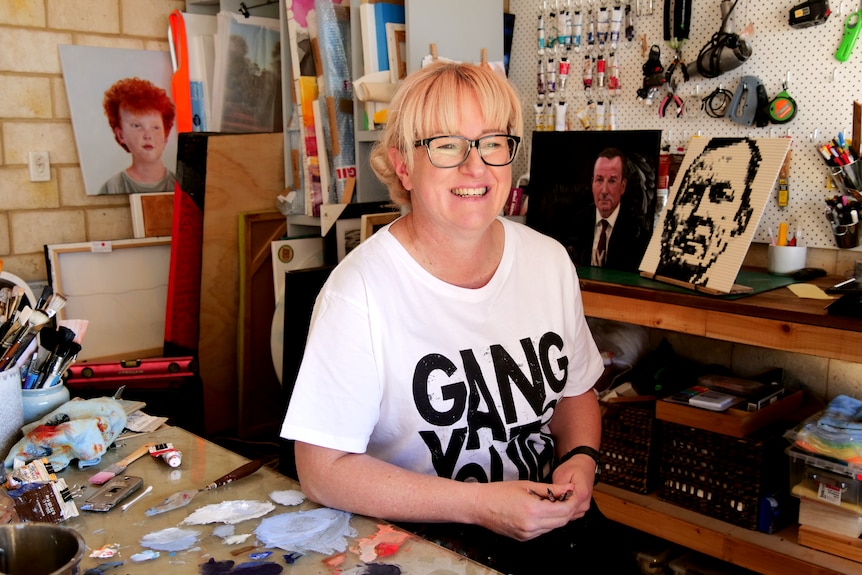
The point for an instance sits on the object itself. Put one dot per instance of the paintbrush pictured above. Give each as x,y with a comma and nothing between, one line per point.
120,466
183,498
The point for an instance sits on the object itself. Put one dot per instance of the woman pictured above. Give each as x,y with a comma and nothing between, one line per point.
449,367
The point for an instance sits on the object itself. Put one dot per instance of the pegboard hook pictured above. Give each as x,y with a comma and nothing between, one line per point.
813,136
835,74
786,80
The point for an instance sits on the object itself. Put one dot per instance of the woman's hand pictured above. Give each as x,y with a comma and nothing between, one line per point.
523,510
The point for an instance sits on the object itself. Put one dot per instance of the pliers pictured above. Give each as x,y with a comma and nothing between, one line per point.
671,96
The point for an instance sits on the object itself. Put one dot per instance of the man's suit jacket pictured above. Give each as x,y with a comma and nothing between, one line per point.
626,247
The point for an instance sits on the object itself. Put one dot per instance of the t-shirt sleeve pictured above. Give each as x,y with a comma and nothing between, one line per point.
336,400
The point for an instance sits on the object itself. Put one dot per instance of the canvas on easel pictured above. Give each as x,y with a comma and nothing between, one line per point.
712,212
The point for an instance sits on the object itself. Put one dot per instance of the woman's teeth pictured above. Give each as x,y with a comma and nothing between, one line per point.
468,192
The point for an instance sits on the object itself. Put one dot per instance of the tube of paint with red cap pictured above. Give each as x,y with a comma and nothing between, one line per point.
168,454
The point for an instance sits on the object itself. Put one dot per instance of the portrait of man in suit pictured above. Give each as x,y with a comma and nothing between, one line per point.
606,232
585,183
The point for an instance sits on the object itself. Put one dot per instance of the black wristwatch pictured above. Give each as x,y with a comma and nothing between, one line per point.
586,450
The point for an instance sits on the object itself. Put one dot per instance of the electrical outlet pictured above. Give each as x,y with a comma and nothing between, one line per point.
40,167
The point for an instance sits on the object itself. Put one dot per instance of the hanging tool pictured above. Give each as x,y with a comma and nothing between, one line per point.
677,22
725,51
183,498
782,108
654,76
852,25
671,96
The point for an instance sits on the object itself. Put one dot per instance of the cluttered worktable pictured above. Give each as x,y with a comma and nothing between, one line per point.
120,532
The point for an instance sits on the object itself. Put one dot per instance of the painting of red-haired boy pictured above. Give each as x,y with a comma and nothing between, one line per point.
141,116
123,119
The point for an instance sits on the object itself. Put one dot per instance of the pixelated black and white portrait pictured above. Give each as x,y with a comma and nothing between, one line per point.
713,211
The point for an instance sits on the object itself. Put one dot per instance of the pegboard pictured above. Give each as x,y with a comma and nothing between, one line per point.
823,88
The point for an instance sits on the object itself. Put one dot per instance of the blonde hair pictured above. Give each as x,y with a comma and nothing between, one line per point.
426,104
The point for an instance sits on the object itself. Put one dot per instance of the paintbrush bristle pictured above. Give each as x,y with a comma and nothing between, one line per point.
55,303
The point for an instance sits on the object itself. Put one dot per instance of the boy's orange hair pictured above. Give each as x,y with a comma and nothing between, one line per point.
137,95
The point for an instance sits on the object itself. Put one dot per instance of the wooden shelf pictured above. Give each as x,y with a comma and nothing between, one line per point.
778,554
774,319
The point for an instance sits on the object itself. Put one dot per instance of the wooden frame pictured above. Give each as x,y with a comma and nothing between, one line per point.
370,223
337,221
120,288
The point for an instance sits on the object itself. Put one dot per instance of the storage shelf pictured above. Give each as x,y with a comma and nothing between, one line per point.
774,319
777,554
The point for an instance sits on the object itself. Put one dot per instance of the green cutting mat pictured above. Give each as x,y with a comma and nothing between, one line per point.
759,282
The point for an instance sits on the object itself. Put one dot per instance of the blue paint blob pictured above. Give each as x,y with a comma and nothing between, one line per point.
261,555
290,558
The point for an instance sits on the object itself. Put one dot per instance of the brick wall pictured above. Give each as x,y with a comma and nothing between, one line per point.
34,116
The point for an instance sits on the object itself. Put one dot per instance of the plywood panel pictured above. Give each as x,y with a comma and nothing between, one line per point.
244,173
650,314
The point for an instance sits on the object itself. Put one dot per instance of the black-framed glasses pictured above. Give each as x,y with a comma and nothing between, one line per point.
452,151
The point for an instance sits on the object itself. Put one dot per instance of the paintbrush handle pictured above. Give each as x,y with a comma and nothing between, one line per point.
238,473
136,454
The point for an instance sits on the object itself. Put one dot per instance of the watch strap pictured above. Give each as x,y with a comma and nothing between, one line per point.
585,450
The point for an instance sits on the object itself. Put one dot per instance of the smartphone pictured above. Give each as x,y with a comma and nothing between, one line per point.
112,493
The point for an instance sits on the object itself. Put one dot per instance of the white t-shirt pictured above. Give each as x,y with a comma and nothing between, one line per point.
441,379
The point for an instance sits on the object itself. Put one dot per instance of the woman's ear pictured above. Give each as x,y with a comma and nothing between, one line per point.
401,168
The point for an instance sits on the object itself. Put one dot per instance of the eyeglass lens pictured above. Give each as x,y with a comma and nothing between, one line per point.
451,151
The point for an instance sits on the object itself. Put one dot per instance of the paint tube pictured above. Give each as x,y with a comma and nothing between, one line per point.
611,124
600,116
591,30
600,71
561,27
584,115
540,116
602,26
551,77
167,453
614,75
549,117
629,24
588,73
616,21
564,72
541,32
560,124
568,28
540,79
577,29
